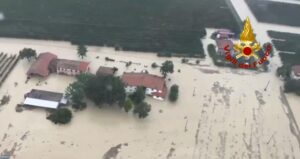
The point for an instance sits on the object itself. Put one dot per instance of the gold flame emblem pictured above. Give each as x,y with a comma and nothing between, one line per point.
248,46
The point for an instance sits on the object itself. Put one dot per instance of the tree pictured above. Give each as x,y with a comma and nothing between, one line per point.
167,67
138,96
142,109
75,91
105,90
84,78
173,96
61,116
28,53
184,60
128,105
154,65
81,51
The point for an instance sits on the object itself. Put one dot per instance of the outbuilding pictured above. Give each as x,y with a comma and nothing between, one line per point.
44,99
41,66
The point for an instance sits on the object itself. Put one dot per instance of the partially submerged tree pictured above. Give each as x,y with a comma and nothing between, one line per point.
173,96
128,105
138,96
84,78
75,92
81,51
28,53
106,90
61,116
167,67
142,109
154,65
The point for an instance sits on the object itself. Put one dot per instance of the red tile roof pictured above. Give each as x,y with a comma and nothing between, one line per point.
296,70
41,65
146,80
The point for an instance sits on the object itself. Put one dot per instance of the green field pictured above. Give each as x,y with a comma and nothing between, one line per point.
287,42
275,12
140,25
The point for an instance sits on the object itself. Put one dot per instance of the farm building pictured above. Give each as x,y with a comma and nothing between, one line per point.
70,67
155,85
106,71
295,72
47,63
41,66
44,99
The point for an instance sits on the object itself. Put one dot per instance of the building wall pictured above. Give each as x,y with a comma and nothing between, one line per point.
130,89
68,71
149,91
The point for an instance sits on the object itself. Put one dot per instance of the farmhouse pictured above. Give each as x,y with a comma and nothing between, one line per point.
44,99
295,72
47,63
70,67
155,85
106,71
41,66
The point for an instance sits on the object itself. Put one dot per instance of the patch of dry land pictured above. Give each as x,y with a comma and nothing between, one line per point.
221,113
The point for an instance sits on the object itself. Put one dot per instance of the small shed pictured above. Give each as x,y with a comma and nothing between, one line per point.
106,71
44,99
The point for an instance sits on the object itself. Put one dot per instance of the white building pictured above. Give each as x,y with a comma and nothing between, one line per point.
44,99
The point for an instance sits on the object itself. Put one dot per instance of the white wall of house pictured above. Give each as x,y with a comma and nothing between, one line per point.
149,91
158,98
293,76
68,71
130,89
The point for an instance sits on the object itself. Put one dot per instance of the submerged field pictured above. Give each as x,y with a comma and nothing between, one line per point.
174,26
275,12
221,113
288,45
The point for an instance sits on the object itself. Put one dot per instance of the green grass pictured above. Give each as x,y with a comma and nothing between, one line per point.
140,25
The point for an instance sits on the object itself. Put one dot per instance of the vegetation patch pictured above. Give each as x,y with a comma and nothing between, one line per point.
275,12
165,26
60,116
174,91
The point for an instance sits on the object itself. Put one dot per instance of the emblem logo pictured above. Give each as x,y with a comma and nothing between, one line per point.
247,48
